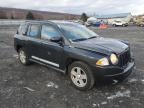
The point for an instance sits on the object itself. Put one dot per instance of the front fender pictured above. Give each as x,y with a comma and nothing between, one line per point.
89,57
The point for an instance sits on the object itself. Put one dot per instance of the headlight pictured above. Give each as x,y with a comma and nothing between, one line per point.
114,59
102,62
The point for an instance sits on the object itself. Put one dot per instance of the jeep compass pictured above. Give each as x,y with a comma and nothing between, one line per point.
73,49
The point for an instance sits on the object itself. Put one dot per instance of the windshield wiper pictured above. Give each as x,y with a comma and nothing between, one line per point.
80,39
92,37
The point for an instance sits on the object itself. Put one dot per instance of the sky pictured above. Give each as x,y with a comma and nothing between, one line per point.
90,7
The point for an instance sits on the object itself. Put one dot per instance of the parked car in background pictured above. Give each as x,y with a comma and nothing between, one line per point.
141,23
119,23
79,22
75,50
93,23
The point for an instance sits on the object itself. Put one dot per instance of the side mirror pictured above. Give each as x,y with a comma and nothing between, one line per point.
56,39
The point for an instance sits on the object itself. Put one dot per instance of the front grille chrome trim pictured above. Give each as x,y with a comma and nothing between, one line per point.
124,58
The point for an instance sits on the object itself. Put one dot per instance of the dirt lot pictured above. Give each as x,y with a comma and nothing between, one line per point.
36,86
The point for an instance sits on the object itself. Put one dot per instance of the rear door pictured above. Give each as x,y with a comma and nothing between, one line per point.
34,42
20,38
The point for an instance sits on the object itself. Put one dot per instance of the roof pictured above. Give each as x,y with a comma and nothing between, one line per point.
120,15
51,21
62,21
54,21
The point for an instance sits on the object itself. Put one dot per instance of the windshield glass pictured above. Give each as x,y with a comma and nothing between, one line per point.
76,32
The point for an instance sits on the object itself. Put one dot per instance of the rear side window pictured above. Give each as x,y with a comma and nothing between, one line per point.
22,29
48,32
34,31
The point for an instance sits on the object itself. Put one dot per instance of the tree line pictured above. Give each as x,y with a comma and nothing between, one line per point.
30,16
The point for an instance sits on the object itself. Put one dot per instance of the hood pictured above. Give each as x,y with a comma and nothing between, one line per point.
102,45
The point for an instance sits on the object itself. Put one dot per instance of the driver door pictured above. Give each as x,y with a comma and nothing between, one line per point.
51,52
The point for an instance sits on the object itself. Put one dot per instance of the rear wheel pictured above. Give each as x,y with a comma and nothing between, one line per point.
81,76
23,57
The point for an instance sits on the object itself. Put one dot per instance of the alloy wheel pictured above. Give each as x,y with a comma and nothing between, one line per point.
78,77
22,56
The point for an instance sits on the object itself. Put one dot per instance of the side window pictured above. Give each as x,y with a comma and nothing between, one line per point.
34,31
48,32
22,29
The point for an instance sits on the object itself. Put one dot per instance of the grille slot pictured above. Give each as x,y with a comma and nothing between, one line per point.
124,58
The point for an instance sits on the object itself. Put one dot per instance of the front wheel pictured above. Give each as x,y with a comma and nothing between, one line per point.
123,25
81,76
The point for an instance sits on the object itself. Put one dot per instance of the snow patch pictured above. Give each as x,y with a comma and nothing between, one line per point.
132,80
103,103
53,85
95,105
120,94
122,88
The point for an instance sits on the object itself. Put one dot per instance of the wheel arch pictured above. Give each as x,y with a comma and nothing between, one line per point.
70,60
18,47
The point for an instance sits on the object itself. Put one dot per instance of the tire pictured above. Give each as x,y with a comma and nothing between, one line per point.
124,25
81,76
114,25
23,57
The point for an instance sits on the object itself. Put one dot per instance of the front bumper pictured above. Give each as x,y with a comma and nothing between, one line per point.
114,71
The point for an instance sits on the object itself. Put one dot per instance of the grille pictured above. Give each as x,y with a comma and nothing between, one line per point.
125,58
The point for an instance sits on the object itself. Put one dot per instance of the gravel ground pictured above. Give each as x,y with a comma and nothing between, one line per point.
36,86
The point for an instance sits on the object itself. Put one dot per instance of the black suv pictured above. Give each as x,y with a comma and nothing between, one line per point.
73,49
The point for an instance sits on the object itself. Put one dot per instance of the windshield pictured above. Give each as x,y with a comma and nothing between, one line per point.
76,32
